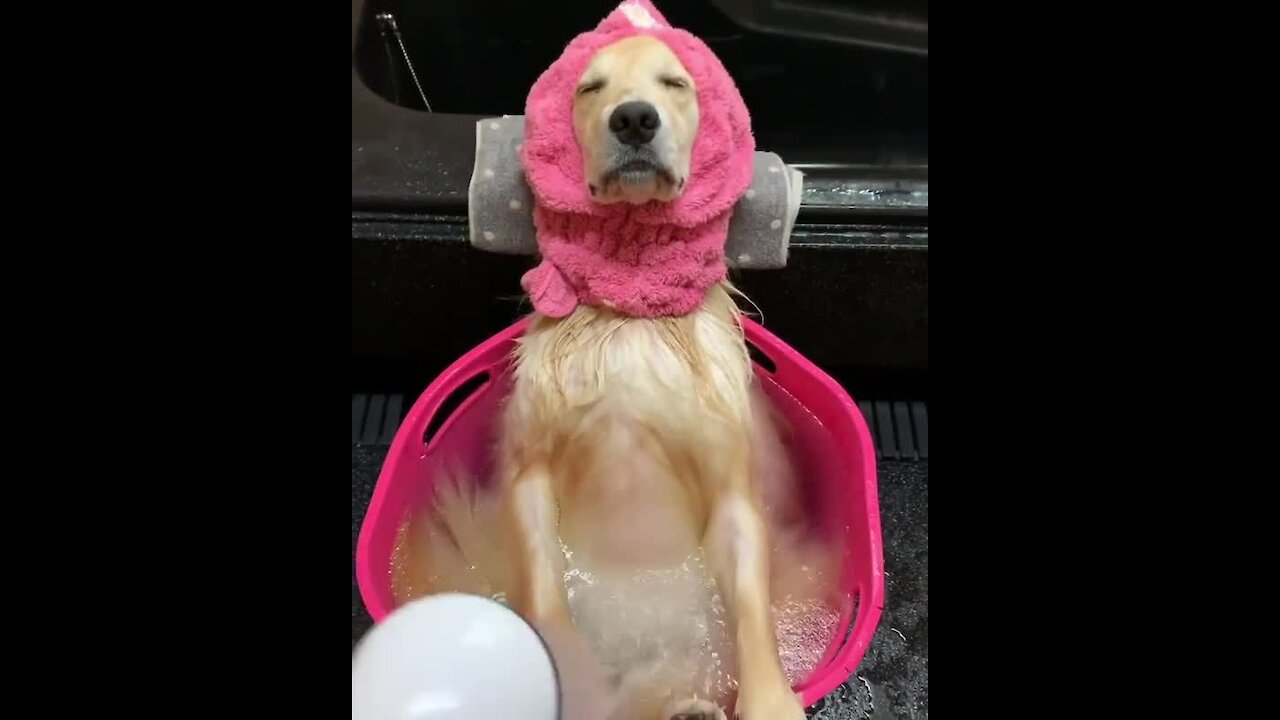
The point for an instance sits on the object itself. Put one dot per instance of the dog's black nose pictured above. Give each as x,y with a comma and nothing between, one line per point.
634,123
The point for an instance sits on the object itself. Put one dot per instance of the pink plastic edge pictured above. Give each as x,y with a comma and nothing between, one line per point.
870,600
411,431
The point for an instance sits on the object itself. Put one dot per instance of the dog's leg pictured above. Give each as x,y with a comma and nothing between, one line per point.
540,562
540,595
738,553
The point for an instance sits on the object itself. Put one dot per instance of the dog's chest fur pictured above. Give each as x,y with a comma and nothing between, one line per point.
631,413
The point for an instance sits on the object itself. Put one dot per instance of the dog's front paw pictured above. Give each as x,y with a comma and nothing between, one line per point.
783,705
694,709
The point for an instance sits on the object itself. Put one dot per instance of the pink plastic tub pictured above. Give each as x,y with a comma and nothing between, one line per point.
830,445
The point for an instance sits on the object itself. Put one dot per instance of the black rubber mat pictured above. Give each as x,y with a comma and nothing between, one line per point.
900,429
375,418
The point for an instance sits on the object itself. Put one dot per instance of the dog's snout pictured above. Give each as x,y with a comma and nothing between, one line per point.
634,123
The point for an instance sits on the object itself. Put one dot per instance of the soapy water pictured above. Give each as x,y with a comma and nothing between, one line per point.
669,626
804,629
664,631
663,627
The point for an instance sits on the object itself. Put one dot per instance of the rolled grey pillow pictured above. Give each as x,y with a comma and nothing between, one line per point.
500,204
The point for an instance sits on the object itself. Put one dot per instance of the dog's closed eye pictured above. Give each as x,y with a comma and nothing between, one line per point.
674,81
590,86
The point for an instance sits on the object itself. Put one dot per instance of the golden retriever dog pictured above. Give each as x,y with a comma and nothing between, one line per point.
643,517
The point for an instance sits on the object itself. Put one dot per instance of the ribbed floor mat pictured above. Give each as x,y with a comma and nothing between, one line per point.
375,418
900,429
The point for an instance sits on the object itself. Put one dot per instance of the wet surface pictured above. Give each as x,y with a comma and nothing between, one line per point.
893,680
366,461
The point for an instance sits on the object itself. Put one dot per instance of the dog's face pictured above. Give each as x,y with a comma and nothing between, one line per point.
635,114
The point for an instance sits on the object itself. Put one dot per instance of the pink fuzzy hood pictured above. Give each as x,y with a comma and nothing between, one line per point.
650,260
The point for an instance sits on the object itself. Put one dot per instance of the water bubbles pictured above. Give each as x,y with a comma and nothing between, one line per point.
804,629
670,628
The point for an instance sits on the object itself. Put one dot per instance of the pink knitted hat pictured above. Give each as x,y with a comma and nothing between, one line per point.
651,260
